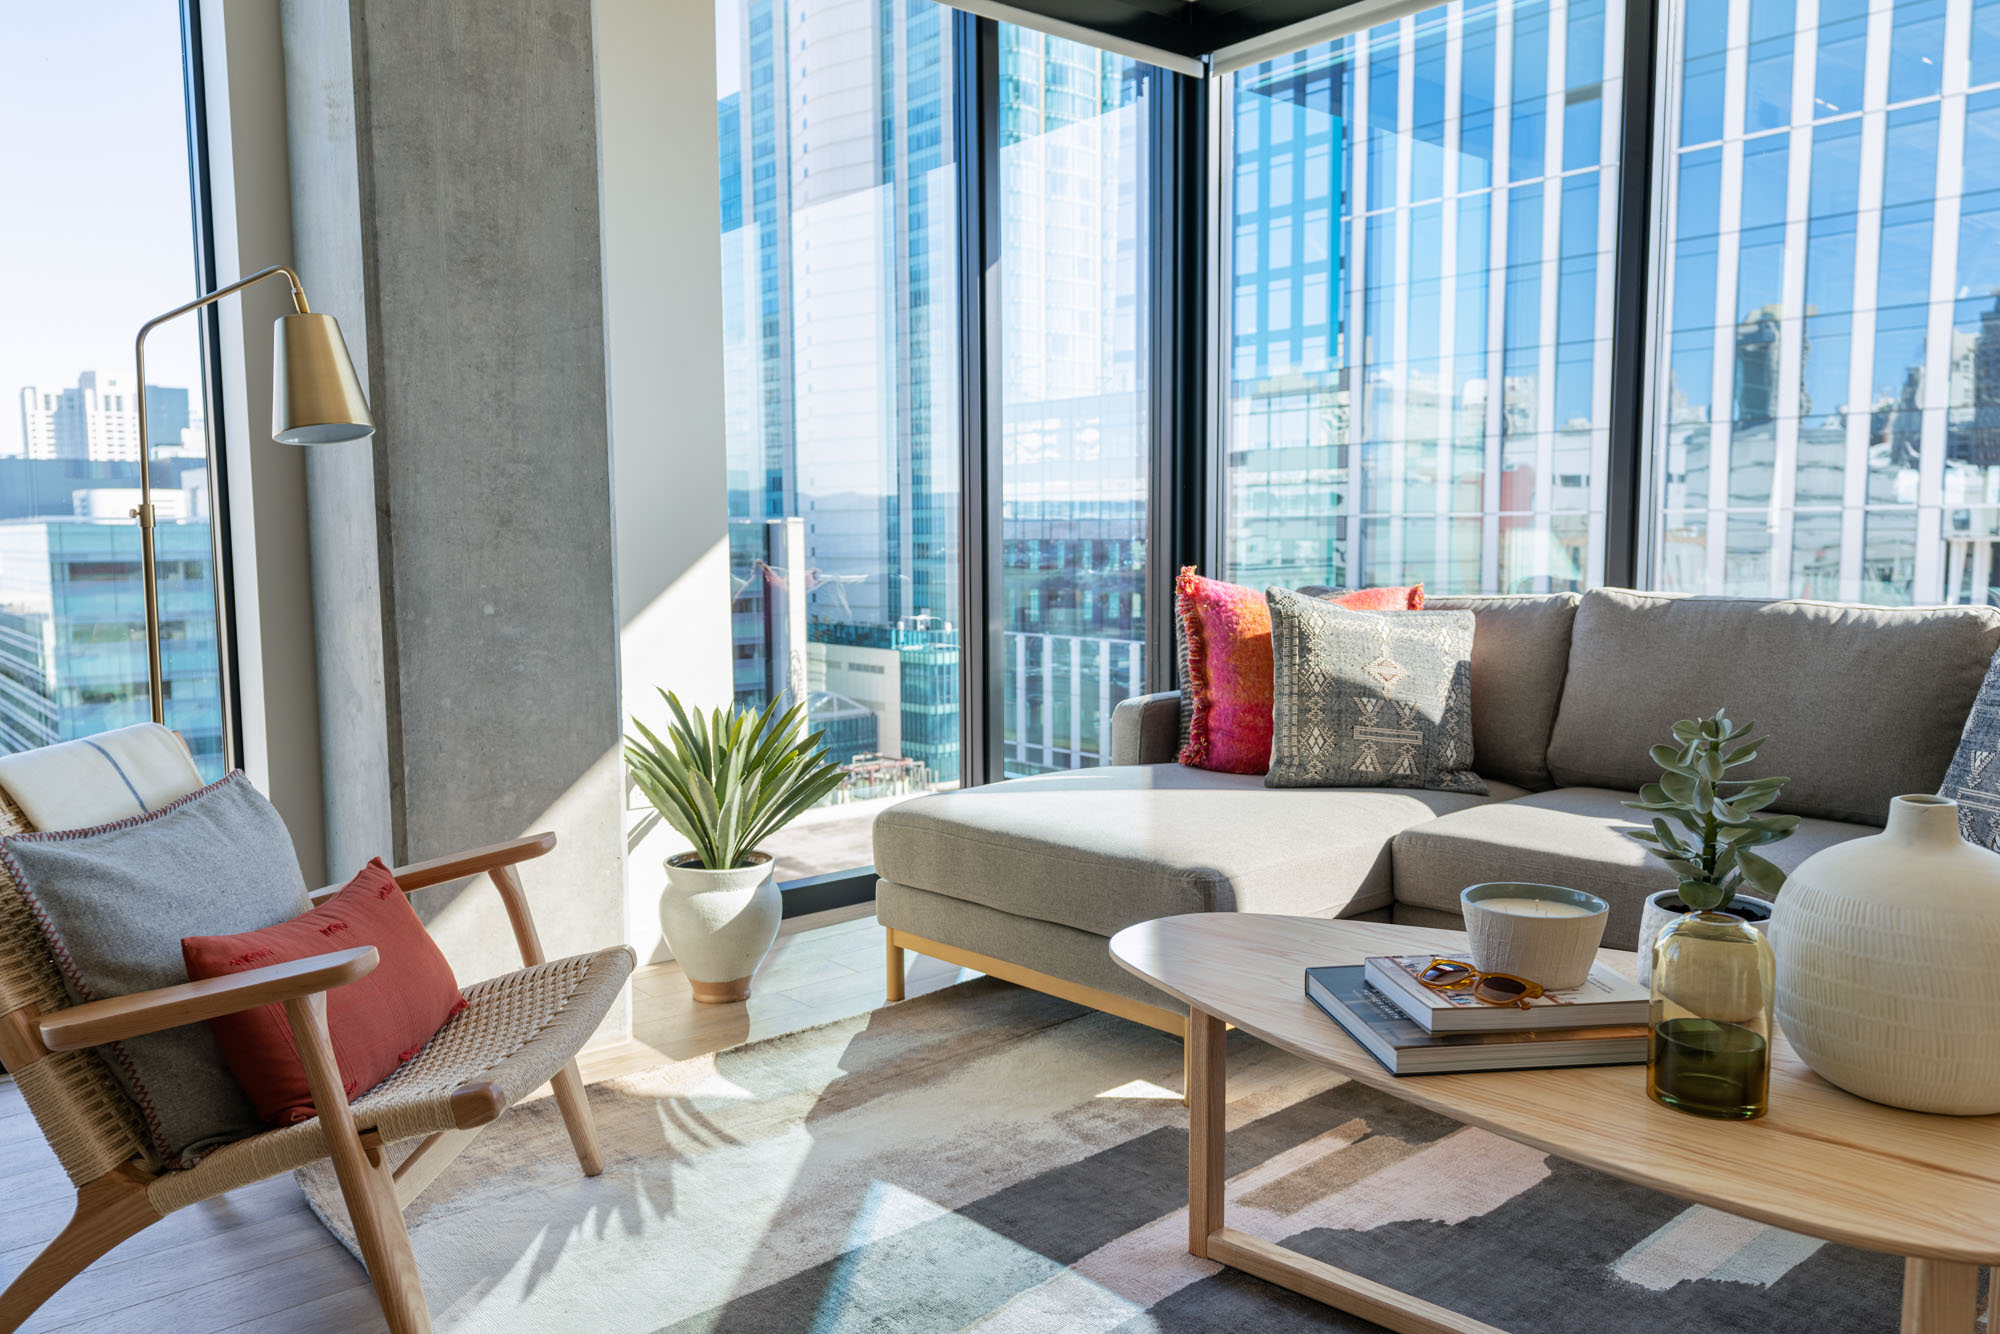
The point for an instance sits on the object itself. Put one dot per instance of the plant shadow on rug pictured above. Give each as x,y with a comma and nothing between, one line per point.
991,1158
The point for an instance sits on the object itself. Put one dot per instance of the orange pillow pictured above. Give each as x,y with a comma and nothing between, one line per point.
1226,671
377,1023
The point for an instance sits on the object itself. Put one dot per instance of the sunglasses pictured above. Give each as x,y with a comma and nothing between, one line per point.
1486,988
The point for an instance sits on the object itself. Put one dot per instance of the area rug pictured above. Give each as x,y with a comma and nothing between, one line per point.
987,1158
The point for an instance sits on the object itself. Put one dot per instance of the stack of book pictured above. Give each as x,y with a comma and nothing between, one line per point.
1415,1030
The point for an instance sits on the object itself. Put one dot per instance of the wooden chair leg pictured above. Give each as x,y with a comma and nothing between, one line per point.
366,1182
577,1119
108,1210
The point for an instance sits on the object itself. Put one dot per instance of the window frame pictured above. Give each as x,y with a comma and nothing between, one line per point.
222,549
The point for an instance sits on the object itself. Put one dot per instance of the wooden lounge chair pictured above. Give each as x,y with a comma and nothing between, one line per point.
516,1033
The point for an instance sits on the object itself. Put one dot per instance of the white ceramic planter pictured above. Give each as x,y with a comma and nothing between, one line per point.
1889,963
1753,910
720,924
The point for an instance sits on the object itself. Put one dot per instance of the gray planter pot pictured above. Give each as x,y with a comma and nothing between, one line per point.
1666,905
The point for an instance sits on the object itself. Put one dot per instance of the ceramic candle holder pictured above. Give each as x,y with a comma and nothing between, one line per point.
1544,933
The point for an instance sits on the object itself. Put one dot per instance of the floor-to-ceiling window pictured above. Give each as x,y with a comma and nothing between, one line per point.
99,231
1828,368
1416,350
1074,274
839,257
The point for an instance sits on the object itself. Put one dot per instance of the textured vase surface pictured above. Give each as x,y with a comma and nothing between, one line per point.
1889,963
720,924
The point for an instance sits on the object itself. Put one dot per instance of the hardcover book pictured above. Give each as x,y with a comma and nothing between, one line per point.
1605,998
1405,1048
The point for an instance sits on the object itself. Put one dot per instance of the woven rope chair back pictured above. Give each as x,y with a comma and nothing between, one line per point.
86,1117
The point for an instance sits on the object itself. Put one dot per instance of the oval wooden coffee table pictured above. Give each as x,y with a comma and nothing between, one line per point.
1822,1162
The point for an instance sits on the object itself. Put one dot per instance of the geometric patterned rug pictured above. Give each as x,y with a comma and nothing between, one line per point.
988,1158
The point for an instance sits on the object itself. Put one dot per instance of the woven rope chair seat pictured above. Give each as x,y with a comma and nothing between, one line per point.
514,1033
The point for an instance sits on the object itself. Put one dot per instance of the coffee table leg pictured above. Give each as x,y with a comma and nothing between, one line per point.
1939,1297
1206,1084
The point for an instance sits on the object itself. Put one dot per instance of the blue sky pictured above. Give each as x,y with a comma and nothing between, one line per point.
96,225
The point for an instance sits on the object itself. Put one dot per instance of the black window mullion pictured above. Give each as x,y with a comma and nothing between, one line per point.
976,127
1631,325
209,321
1177,478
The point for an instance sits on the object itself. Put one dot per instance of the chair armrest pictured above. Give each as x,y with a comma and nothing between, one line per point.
1146,729
443,870
119,1017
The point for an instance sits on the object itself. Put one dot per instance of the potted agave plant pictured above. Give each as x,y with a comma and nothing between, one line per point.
1714,829
726,782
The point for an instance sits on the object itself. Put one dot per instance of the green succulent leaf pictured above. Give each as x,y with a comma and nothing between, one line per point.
1701,896
1763,877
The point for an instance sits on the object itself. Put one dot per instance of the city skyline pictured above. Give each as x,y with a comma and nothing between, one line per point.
111,237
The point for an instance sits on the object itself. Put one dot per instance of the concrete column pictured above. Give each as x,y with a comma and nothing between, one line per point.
445,207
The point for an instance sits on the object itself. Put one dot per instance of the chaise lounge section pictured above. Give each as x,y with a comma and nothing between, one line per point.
1028,879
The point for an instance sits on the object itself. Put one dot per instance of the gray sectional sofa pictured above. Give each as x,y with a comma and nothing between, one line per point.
1029,878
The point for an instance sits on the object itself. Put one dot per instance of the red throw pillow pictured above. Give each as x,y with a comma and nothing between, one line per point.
1226,666
377,1023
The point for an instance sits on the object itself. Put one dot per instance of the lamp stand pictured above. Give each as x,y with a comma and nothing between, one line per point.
148,558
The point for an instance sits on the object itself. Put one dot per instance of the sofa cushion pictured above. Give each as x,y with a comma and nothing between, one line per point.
1100,849
1370,698
1566,837
1520,654
1860,704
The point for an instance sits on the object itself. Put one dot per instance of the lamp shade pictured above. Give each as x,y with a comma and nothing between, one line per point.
315,397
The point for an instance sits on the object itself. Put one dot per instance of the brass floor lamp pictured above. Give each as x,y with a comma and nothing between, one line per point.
315,400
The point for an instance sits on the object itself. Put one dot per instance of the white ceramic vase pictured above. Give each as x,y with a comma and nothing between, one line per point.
720,924
1889,963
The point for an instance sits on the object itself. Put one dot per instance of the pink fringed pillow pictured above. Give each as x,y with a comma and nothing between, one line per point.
1226,666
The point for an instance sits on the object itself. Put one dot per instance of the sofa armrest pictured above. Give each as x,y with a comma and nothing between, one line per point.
1146,729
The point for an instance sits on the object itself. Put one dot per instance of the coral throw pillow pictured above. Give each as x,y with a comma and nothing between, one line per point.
376,1023
1226,665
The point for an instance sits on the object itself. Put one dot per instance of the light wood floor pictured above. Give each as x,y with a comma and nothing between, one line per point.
257,1260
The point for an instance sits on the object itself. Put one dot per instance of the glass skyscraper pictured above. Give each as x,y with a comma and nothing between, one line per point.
1830,362
839,257
1421,254
840,262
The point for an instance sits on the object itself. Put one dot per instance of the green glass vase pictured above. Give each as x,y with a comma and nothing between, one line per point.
1711,1044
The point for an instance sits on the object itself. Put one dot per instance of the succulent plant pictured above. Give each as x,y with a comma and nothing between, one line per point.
730,780
1712,850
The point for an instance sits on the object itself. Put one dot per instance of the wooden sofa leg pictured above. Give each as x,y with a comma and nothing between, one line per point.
577,1119
895,980
366,1182
108,1210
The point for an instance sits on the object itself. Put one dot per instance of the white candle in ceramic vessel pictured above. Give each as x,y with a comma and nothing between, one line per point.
1526,907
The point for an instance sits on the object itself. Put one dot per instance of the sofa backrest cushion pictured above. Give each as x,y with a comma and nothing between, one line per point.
1860,704
1520,654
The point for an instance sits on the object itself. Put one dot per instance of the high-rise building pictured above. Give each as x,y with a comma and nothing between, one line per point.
839,261
97,418
1830,256
1419,252
72,633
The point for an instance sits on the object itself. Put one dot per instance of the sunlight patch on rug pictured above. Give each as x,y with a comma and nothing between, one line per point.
1141,1088
1707,1243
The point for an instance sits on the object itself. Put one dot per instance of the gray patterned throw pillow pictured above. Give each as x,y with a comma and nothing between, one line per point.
1370,699
1973,781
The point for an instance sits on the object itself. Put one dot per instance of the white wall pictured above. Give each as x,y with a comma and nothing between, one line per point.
661,211
271,575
